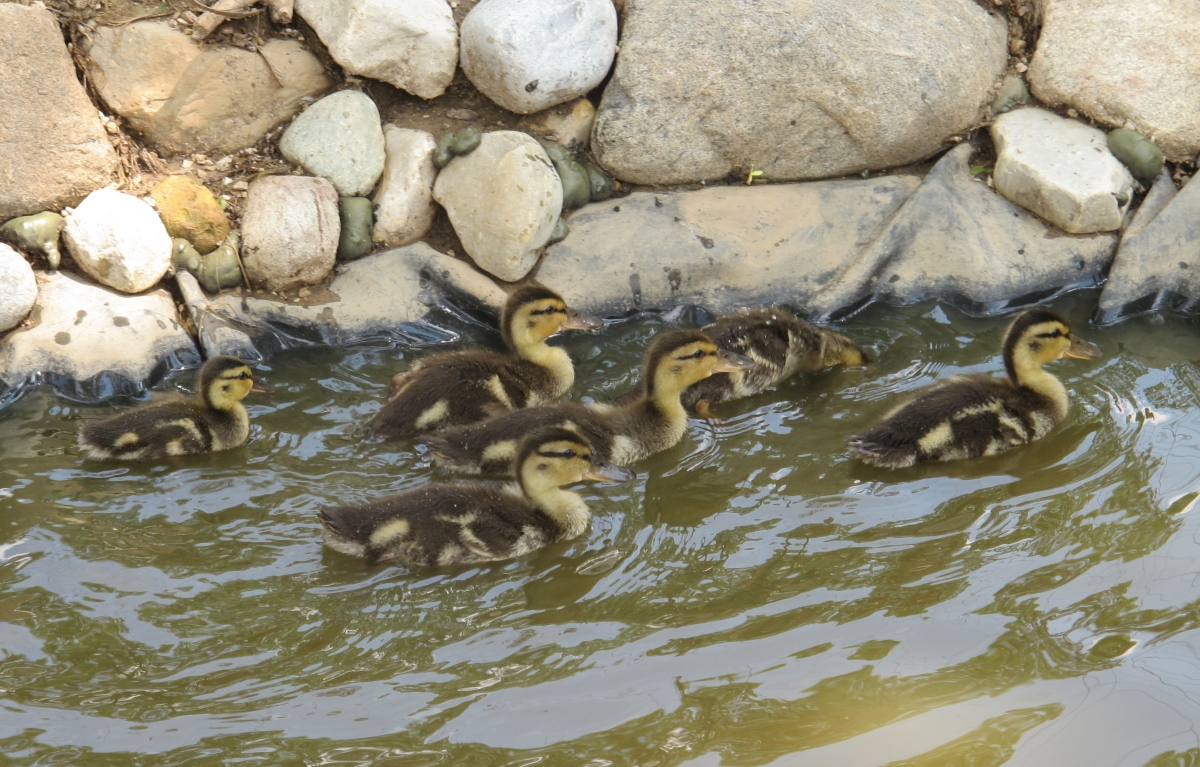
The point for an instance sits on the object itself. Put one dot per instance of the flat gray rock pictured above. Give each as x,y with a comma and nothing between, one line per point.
957,240
795,88
91,344
387,294
718,248
1158,263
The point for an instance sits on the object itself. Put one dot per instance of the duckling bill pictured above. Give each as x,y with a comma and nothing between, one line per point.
213,420
446,524
974,415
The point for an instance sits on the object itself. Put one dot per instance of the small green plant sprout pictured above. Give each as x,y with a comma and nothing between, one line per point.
754,175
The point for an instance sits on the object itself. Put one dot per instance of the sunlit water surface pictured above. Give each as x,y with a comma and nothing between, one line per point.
752,598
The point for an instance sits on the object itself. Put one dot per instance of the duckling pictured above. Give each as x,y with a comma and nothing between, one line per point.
213,420
620,433
973,415
445,524
458,388
779,343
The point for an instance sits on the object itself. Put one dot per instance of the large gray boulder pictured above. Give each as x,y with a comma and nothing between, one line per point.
529,55
1119,63
91,344
719,248
794,88
338,138
55,149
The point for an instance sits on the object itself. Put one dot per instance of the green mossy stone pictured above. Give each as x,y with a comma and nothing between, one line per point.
184,256
467,141
577,187
602,185
38,232
222,268
556,152
1139,153
1013,92
444,152
357,220
561,230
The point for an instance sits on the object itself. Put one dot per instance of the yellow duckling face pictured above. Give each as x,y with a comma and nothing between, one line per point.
1038,336
533,313
556,456
681,358
225,381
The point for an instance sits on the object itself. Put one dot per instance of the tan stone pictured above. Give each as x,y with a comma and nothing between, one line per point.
136,67
290,229
190,211
53,145
569,124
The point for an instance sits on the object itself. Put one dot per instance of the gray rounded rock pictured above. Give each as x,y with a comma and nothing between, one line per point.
290,230
339,138
18,288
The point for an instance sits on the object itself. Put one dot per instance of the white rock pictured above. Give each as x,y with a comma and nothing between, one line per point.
404,200
527,55
503,200
290,230
119,240
18,288
338,138
411,44
1061,170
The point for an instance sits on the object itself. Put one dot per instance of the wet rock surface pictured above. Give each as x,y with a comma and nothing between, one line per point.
503,200
528,55
1060,169
119,240
1120,63
55,149
338,138
811,91
290,230
18,288
387,294
190,211
91,344
413,45
184,98
404,199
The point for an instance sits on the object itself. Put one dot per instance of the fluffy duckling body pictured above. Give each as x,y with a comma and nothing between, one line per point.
779,343
973,415
458,388
213,420
622,434
446,524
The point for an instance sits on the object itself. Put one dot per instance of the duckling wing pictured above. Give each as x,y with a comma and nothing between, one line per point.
148,433
964,417
764,336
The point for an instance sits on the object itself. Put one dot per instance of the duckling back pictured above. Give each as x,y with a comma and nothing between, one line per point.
173,428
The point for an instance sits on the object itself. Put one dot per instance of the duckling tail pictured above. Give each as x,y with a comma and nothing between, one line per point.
883,456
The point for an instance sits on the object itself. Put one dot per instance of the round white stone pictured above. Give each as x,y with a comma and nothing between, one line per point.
18,288
118,240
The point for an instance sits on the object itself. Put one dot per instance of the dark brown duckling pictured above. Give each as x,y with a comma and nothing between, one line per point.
973,415
458,388
446,524
621,434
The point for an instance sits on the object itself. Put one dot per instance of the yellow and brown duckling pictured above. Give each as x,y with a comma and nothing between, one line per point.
446,524
215,419
779,344
973,415
621,434
458,388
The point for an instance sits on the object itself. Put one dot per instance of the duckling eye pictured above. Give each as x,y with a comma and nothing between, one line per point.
568,453
244,376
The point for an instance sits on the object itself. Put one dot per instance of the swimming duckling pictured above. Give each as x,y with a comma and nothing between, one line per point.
619,433
779,343
447,524
213,420
972,415
458,388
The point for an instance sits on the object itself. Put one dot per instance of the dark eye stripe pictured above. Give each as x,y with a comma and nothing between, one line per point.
563,454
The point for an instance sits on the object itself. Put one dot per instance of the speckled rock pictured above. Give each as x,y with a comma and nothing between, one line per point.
1120,63
1060,169
18,288
55,150
503,200
404,199
528,55
338,138
185,98
118,240
190,211
290,229
812,91
91,344
413,45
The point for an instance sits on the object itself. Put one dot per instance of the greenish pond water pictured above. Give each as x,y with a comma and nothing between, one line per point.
752,598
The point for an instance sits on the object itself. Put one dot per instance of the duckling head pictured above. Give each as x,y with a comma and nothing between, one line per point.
225,381
1038,336
533,313
555,456
680,358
